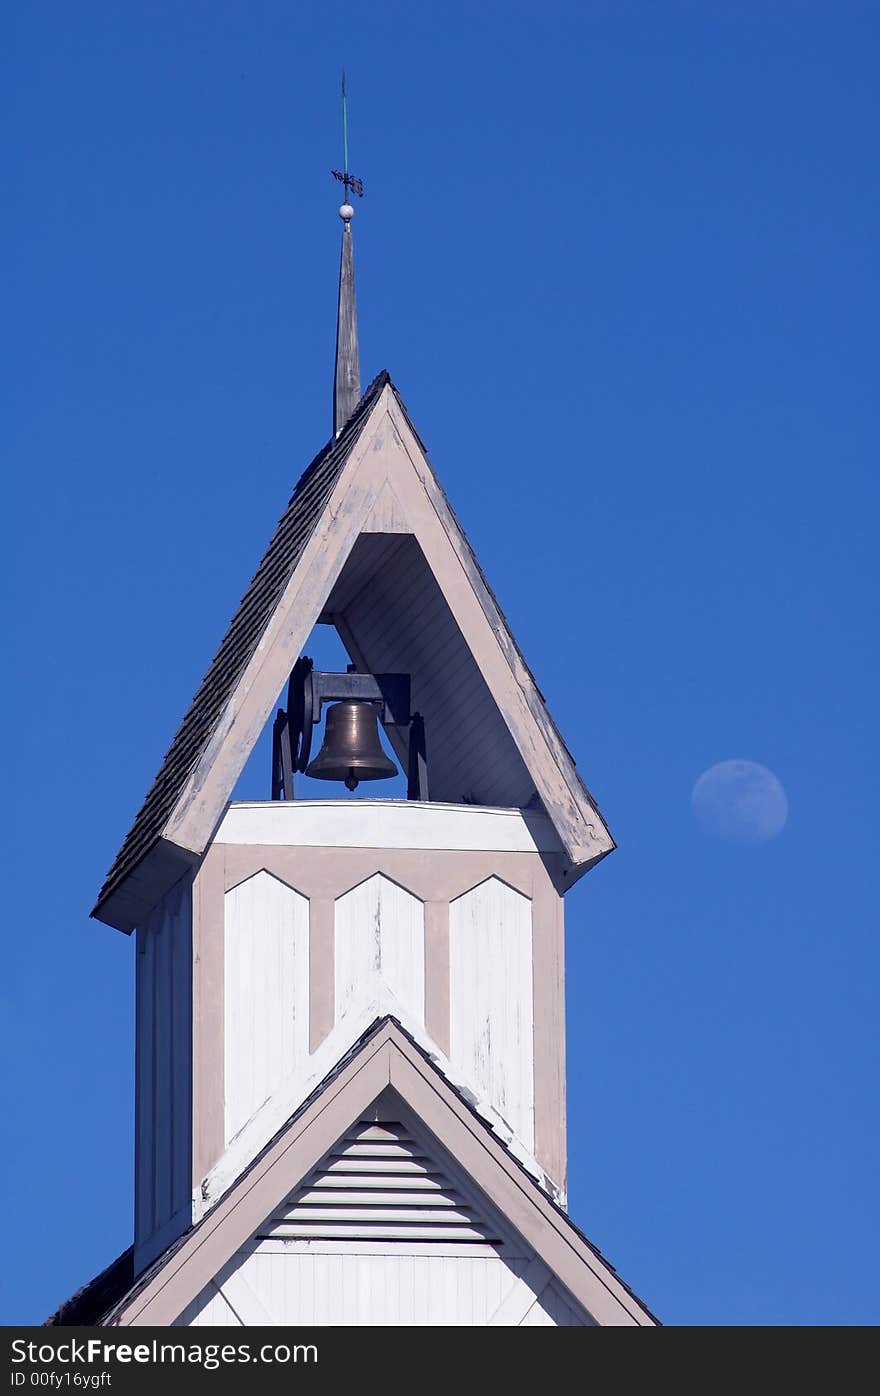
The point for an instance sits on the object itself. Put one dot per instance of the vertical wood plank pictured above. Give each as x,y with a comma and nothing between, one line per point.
181,1031
163,1066
208,1015
382,1290
321,970
380,940
266,988
144,1103
491,999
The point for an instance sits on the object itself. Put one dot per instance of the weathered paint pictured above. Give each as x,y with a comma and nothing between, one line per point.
342,885
225,1104
387,515
377,823
300,1084
491,1001
379,942
266,993
347,377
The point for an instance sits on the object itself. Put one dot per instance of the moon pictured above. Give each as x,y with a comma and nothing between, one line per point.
740,800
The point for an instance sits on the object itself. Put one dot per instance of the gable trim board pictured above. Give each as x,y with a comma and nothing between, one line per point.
387,1056
376,471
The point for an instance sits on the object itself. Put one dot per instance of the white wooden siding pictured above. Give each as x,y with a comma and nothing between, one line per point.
382,1290
266,992
380,943
386,582
490,999
338,1288
209,1310
163,1074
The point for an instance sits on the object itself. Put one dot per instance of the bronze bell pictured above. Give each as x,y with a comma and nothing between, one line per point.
351,751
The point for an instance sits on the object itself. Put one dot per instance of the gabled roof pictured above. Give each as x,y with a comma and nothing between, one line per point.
241,639
386,1057
368,505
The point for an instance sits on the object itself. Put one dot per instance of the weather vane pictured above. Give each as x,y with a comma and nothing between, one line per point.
350,181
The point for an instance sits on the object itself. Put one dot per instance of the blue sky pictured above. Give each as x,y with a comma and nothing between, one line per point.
620,259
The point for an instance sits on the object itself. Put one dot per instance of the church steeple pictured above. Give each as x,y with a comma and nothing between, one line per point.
347,377
350,1013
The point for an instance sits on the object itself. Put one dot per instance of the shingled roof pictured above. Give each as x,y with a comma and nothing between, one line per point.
240,641
86,1308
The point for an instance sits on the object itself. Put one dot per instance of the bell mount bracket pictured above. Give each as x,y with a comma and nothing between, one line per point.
307,691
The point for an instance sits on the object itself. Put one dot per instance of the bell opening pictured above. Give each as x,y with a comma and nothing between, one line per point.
326,648
328,654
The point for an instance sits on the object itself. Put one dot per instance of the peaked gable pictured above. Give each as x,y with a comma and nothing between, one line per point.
386,1230
441,1140
369,499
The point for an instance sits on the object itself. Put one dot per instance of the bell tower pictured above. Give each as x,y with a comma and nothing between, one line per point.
300,921
350,1008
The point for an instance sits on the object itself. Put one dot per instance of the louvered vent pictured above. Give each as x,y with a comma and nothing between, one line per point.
379,1184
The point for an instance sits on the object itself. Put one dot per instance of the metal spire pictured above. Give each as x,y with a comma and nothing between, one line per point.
347,377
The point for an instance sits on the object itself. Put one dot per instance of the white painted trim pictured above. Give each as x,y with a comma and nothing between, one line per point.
290,1246
376,823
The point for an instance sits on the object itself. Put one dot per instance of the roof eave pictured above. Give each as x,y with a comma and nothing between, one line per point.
127,905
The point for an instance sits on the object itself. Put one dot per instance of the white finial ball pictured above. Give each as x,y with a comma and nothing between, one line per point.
346,213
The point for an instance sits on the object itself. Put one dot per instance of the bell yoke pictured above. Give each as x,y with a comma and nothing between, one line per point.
352,750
